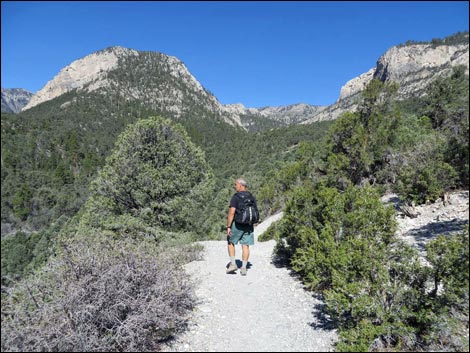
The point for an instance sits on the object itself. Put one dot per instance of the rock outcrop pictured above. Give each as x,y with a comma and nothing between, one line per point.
282,115
89,72
412,66
14,99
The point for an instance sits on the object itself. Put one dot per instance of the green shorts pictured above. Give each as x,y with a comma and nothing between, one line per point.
243,234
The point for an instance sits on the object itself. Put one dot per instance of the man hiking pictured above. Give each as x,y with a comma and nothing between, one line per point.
242,215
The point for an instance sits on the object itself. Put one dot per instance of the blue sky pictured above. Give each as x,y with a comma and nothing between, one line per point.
267,53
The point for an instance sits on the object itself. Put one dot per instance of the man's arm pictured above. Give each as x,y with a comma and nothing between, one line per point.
230,216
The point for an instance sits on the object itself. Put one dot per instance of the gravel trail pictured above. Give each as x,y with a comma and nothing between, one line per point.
266,311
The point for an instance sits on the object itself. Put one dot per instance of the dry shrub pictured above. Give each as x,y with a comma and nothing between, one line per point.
99,294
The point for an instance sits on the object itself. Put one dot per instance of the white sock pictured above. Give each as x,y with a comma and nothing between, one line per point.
244,264
232,260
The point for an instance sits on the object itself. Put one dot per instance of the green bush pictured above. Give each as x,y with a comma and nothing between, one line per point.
421,172
327,234
155,174
446,104
449,258
375,288
16,254
22,202
444,323
428,182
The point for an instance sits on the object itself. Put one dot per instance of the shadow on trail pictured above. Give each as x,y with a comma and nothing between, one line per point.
429,231
322,320
239,265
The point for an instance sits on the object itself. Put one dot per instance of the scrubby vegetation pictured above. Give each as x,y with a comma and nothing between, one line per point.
455,39
339,237
113,282
102,292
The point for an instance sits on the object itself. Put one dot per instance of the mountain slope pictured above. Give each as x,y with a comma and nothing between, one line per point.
412,65
157,80
152,79
14,99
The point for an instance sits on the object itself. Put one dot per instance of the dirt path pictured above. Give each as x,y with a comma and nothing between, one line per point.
266,311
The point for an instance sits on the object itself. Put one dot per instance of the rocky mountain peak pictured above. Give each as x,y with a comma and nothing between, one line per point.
356,85
89,71
413,66
14,99
156,80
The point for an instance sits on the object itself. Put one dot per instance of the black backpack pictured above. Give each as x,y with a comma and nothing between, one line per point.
247,210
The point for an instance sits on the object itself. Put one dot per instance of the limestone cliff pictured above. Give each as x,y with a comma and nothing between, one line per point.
412,66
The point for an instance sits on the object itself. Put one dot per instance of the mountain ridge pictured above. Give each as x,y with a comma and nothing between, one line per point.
14,99
412,65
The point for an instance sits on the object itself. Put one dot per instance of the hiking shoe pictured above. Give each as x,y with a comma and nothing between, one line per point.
232,268
243,271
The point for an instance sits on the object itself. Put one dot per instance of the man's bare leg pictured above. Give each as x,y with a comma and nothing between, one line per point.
245,252
231,252
231,249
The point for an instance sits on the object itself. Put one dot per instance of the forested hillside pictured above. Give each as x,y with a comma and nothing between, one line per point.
339,236
114,282
52,152
117,189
